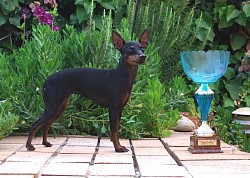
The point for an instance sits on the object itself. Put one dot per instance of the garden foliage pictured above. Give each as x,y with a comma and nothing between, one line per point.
156,121
84,41
9,121
230,31
172,30
230,23
48,51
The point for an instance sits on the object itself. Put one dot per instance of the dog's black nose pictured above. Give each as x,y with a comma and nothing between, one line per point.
142,56
142,59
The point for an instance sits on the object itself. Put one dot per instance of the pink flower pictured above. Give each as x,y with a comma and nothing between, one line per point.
52,2
55,28
26,10
42,16
24,16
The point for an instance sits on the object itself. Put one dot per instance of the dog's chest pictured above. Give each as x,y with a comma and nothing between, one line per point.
125,98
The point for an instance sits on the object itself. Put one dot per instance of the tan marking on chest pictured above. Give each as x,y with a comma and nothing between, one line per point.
126,98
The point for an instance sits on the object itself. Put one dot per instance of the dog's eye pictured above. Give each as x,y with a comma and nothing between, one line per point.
131,48
142,48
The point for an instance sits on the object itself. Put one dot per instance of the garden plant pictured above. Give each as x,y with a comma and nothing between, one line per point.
38,38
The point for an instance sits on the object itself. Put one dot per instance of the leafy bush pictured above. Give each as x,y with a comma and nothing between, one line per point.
26,69
177,93
85,9
131,125
91,48
156,121
16,17
244,73
229,131
223,125
172,29
8,120
230,30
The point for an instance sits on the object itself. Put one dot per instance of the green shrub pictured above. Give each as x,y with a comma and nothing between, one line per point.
172,29
156,121
131,126
222,123
177,93
26,69
82,14
230,27
229,131
91,48
8,120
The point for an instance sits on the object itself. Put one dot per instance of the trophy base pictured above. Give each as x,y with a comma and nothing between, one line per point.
200,145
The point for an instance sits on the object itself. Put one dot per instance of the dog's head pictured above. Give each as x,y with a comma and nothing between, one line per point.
132,51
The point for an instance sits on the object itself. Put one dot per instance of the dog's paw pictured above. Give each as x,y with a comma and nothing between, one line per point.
121,149
30,147
47,144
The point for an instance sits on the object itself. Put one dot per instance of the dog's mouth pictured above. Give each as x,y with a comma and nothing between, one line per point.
136,60
141,61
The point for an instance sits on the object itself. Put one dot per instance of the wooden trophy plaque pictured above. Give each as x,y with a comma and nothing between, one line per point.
204,145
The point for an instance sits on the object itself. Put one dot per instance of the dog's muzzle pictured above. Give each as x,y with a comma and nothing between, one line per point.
136,59
142,59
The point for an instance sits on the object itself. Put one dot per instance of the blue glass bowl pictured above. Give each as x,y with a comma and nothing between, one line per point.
205,67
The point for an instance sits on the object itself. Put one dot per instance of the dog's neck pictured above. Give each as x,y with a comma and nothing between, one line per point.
128,71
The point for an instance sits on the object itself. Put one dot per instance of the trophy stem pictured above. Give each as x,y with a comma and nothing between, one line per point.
204,96
204,139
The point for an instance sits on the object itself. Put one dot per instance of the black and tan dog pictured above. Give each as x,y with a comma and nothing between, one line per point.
110,88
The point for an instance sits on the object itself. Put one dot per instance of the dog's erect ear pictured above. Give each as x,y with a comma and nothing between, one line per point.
144,38
117,40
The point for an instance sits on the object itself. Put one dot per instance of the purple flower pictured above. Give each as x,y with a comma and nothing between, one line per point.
45,19
55,28
42,16
26,10
39,11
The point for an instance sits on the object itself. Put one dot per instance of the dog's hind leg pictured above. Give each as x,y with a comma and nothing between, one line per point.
52,108
48,124
46,116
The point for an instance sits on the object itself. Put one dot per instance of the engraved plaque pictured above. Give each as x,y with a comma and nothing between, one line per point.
207,142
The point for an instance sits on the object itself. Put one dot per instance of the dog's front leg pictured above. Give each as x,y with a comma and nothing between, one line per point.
114,118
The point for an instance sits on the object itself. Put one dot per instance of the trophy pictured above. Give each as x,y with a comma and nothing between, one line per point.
204,68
